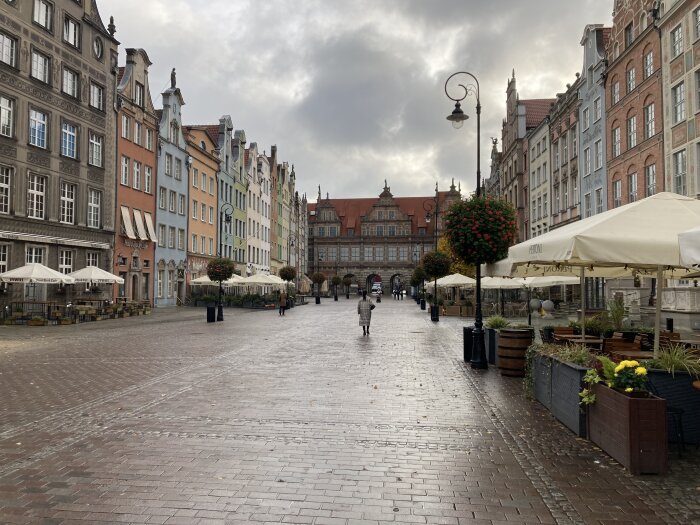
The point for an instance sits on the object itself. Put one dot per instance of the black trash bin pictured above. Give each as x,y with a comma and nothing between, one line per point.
211,313
468,334
669,324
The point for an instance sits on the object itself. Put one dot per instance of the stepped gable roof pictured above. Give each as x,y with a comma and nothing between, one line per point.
536,110
350,211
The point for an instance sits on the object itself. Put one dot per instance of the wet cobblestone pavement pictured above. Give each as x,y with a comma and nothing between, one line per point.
295,419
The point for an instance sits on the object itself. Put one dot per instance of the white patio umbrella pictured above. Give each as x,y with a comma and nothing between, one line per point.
503,283
641,235
256,279
35,273
689,246
93,274
456,280
549,281
203,281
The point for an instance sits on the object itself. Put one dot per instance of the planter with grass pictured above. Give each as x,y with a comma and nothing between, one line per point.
491,327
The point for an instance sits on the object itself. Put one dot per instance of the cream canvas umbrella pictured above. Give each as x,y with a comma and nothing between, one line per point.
456,280
203,281
689,246
503,283
35,273
640,235
93,274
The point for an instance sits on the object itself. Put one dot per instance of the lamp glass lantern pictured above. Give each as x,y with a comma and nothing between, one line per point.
457,117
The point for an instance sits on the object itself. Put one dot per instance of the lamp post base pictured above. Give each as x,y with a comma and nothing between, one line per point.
478,360
318,300
434,312
220,312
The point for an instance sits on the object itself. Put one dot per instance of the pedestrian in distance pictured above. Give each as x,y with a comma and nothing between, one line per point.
283,302
364,310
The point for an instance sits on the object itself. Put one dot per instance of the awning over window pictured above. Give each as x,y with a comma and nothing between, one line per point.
126,222
149,225
140,229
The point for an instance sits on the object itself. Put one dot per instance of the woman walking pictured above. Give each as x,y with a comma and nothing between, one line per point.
283,302
364,310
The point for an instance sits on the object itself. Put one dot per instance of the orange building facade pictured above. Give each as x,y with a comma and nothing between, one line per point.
134,251
202,246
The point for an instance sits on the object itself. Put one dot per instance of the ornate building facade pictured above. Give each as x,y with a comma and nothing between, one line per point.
58,67
374,239
137,130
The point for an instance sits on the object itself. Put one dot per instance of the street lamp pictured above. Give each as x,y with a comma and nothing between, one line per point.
223,218
457,117
429,214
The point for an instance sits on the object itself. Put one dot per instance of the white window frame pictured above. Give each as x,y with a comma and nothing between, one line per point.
148,179
181,204
648,64
7,116
617,193
676,36
598,153
38,128
41,67
615,92
586,117
71,32
597,109
678,103
126,127
94,218
43,14
650,179
69,140
8,49
124,178
631,132
95,157
6,174
631,79
36,196
587,161
195,206
616,139
136,178
65,261
67,208
649,121
632,187
680,169
97,96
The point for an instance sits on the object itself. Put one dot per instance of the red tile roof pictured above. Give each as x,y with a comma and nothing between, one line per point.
536,110
120,75
351,211
211,129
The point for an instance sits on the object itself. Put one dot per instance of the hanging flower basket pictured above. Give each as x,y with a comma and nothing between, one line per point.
481,229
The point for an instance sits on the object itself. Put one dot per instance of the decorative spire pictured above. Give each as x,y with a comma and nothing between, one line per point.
173,79
111,27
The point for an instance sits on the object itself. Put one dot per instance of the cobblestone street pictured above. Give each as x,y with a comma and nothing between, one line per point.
295,419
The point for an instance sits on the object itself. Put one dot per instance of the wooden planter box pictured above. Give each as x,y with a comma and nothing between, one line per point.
467,311
567,383
66,321
36,322
542,380
630,429
679,393
452,310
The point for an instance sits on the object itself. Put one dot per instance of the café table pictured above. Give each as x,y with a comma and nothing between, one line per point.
591,342
636,355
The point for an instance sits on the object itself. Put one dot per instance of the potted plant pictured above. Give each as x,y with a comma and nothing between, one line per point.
671,376
66,320
435,265
491,327
451,308
347,281
624,419
36,321
318,278
335,281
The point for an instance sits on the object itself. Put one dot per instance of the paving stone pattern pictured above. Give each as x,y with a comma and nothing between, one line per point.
295,419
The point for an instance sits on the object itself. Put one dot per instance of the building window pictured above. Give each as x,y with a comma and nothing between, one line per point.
587,161
69,136
679,173
37,128
195,177
648,64
40,67
71,32
676,41
171,237
67,203
599,201
3,257
138,133
161,235
178,169
194,243
162,196
211,186
7,110
617,193
8,49
203,214
139,95
650,179
43,13
649,126
95,155
126,126
5,173
211,217
696,23
586,117
195,205
678,102
181,204
587,205
180,239
36,195
632,186
629,35
137,176
35,254
148,179
169,164
159,284
564,195
94,209
149,139
615,142
631,132
125,171
65,261
92,258
97,96
631,80
615,92
565,148
556,156
597,110
211,246
203,244
172,199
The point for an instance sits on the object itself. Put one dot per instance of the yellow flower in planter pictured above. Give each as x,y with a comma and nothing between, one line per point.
640,371
629,389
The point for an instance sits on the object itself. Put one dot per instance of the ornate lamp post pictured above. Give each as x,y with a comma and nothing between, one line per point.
457,117
431,213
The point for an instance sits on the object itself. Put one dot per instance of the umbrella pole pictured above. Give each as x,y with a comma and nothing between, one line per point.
657,314
583,301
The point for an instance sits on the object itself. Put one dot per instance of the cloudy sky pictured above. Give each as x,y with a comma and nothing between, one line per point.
352,91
